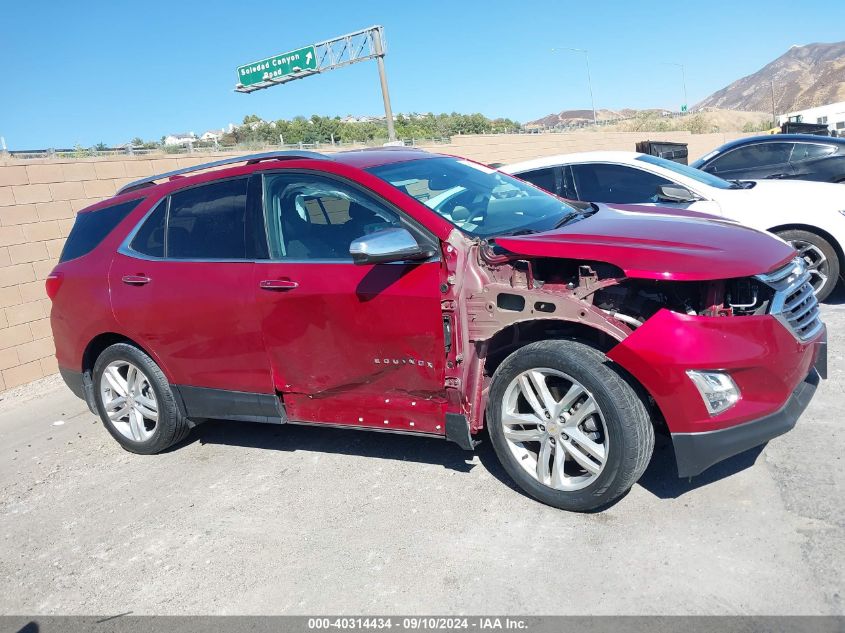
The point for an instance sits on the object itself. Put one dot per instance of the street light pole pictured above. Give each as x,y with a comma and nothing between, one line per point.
589,79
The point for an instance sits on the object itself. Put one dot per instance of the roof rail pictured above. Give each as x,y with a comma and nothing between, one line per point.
249,159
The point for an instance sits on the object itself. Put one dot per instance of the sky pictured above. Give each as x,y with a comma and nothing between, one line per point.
87,72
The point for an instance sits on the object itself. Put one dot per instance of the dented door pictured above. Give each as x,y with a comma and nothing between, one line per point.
348,344
356,345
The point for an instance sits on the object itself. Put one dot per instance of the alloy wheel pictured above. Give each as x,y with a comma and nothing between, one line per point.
129,400
555,429
817,264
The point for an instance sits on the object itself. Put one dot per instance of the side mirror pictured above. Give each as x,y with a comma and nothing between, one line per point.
388,245
675,193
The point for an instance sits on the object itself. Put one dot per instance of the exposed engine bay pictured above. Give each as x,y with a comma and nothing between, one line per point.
549,285
642,299
635,300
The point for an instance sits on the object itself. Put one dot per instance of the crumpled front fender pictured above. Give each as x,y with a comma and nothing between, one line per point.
765,360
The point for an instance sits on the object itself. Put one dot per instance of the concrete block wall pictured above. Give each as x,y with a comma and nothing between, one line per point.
38,202
39,199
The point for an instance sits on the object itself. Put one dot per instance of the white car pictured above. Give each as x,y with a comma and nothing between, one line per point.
808,215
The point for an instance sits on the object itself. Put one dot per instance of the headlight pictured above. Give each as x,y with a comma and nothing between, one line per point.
717,389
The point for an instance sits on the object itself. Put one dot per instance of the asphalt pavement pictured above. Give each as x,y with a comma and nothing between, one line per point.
261,519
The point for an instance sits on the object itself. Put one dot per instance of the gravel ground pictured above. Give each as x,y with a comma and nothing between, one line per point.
256,519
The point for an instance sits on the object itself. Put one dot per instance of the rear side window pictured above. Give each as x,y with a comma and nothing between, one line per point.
92,227
749,156
149,240
208,222
808,151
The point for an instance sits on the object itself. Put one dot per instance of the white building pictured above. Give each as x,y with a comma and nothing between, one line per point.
257,124
180,139
832,115
212,135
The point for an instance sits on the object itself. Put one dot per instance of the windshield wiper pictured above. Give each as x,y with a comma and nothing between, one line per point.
564,220
574,214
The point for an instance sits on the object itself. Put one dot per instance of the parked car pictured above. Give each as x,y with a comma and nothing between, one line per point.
396,290
796,156
808,215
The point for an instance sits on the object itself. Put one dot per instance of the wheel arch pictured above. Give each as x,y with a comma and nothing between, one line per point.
516,335
104,340
818,231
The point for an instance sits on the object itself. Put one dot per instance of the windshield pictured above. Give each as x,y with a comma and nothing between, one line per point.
478,200
690,172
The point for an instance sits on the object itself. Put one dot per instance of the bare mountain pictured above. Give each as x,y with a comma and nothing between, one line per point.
803,77
574,117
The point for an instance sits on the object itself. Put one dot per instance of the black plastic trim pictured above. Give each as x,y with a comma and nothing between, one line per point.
73,379
457,431
242,406
81,386
696,452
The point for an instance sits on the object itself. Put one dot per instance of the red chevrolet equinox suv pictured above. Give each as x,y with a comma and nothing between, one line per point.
398,290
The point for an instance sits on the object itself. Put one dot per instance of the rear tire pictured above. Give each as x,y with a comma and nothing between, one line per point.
820,256
596,440
135,402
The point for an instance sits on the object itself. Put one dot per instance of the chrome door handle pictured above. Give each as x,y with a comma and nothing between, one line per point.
136,280
278,284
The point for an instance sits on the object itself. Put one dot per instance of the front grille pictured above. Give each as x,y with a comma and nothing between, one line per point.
794,303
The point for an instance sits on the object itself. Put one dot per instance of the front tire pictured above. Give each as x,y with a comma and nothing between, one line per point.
820,257
135,401
567,427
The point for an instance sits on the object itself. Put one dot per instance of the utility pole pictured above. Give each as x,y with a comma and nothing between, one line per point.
774,114
589,79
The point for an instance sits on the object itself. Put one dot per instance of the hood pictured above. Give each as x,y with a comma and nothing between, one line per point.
808,194
659,243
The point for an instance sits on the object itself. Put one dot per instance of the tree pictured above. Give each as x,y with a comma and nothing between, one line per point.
322,129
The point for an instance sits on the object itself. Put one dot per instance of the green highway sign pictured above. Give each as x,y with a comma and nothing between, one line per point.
278,66
683,108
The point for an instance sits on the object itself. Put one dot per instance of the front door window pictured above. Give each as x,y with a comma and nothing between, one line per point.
313,218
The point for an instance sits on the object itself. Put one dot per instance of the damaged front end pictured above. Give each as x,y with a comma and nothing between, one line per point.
756,338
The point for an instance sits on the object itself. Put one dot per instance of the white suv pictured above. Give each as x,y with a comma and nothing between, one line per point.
808,215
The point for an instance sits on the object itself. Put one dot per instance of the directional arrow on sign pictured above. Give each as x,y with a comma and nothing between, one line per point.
308,57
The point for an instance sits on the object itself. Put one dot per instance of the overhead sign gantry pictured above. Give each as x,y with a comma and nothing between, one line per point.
317,58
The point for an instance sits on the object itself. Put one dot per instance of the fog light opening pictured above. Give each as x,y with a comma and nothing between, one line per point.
717,389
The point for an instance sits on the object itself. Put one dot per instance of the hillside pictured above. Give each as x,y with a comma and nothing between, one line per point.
803,77
628,120
699,122
575,117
